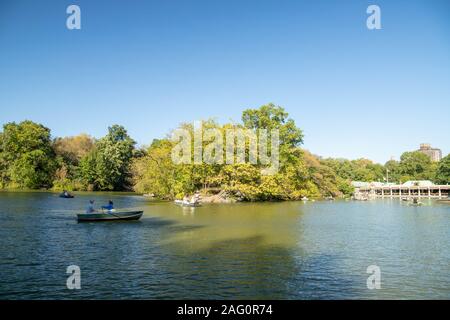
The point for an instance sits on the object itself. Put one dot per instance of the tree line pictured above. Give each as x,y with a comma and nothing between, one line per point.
30,158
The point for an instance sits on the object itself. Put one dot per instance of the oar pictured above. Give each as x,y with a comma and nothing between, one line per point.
109,212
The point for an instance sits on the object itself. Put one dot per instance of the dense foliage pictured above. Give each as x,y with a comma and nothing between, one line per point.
443,171
412,166
107,166
27,156
70,151
156,173
30,158
300,174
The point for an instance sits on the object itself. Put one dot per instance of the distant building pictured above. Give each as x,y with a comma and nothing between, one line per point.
433,153
359,184
419,183
363,184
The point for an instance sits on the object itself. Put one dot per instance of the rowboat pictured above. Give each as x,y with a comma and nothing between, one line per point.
68,196
444,201
110,216
187,203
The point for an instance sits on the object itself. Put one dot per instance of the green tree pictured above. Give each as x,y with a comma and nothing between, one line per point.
275,117
392,168
356,170
416,166
324,176
27,155
107,166
443,171
88,170
3,165
69,152
155,173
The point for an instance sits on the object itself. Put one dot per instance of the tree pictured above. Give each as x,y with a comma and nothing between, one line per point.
443,171
275,117
356,170
32,170
3,165
87,170
107,166
69,152
416,166
392,168
156,173
324,176
73,149
27,155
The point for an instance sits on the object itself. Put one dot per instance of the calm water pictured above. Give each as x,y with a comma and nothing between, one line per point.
289,250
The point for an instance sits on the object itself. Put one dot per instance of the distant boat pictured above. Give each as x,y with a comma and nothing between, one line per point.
444,200
111,216
305,199
187,203
418,204
149,195
415,203
66,196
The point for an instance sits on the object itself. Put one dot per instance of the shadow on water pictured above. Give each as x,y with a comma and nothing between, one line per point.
248,268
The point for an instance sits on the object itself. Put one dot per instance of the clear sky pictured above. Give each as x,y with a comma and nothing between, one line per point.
150,65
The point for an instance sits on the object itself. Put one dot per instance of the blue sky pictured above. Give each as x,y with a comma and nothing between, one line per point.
150,65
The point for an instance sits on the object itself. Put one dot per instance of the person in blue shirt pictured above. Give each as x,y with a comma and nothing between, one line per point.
109,207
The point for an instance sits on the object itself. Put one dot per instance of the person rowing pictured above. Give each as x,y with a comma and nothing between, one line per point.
90,208
109,207
65,194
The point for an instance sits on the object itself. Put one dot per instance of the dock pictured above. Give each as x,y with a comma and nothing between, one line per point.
402,191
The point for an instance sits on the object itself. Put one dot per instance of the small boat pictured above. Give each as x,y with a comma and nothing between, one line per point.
415,203
110,216
418,204
444,201
187,203
66,196
149,195
304,199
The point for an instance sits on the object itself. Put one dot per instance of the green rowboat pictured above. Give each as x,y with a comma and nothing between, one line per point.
110,216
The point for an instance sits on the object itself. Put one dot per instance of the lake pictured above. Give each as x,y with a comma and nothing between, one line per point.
285,250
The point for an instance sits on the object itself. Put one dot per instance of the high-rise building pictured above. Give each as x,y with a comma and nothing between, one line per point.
433,153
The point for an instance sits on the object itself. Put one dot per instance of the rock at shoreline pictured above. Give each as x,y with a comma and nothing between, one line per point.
221,197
